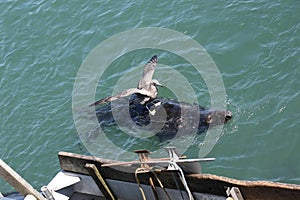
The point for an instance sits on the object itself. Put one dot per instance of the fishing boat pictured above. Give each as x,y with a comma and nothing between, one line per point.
174,177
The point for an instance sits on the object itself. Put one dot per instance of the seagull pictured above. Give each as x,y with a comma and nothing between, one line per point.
146,86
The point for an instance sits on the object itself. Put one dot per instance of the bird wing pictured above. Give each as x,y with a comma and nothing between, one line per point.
143,85
124,93
148,73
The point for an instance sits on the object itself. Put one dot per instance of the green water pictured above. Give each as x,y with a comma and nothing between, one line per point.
255,44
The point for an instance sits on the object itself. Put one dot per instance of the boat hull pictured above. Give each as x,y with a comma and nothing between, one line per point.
123,183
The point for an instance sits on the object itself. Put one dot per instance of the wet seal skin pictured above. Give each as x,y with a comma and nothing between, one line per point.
172,119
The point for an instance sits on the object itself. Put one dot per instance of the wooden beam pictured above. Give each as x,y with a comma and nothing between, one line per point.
15,180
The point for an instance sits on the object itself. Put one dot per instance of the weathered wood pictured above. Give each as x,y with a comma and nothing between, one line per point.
202,183
252,190
15,180
76,163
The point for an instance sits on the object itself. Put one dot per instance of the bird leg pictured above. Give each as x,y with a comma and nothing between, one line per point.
153,111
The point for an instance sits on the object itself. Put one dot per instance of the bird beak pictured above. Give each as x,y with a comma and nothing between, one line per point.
156,83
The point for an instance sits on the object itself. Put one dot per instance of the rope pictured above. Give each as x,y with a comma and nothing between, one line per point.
153,188
182,178
101,179
139,170
177,185
172,165
161,185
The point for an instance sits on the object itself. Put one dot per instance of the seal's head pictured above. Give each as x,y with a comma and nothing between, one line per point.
214,117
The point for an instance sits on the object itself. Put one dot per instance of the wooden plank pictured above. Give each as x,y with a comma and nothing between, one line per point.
15,180
76,163
202,183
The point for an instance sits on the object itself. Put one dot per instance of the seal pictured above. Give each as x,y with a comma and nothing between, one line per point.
172,121
144,104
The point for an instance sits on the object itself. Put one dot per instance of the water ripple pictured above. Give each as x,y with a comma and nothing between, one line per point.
255,45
